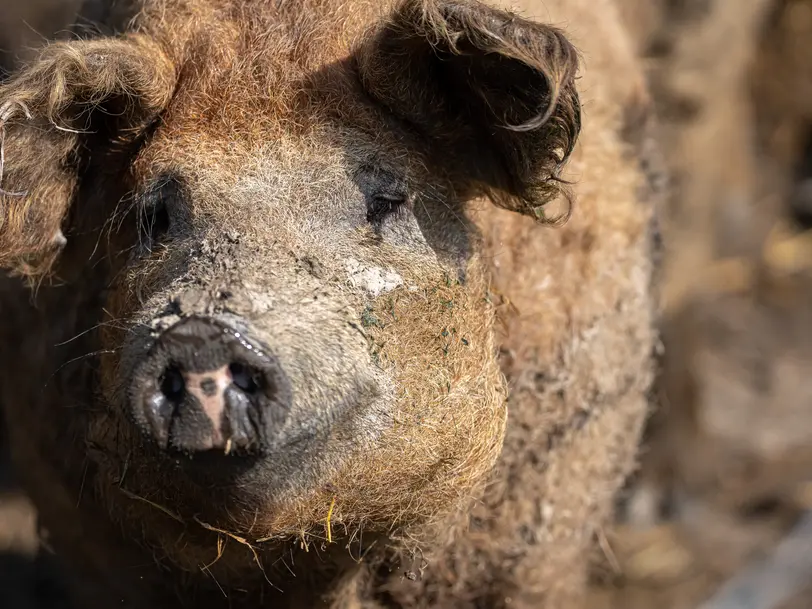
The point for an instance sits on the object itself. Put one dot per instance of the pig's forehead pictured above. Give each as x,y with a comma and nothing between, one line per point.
315,130
282,69
283,72
311,111
279,104
321,158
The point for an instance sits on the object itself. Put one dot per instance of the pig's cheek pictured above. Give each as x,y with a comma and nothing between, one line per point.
113,333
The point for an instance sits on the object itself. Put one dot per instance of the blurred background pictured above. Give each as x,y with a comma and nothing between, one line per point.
726,468
724,488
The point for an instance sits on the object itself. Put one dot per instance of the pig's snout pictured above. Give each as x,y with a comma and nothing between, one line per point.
205,386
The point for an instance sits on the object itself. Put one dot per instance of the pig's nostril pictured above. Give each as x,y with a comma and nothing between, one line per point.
246,378
201,387
172,384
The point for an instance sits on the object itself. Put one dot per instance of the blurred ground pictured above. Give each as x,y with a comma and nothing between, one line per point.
727,463
28,579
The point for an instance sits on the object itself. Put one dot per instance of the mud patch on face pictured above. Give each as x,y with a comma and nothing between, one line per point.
372,279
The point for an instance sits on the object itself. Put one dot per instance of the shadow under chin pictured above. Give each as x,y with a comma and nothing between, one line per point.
209,483
216,470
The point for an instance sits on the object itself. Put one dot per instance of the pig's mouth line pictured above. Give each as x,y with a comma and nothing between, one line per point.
306,448
291,442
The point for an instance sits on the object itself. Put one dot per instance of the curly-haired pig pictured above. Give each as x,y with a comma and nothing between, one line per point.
327,303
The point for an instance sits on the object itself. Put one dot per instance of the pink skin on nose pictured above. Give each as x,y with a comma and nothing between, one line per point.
209,388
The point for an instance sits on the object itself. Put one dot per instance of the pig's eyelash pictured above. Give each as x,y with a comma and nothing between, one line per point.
385,191
155,215
382,205
154,222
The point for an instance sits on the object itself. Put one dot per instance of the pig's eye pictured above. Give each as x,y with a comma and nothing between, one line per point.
159,209
382,205
155,223
385,192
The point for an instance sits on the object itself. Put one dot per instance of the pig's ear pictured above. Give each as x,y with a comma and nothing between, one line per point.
47,110
492,93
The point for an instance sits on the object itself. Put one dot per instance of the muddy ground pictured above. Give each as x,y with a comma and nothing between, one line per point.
726,469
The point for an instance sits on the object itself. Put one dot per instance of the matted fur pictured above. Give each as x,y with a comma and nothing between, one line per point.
519,172
269,117
57,94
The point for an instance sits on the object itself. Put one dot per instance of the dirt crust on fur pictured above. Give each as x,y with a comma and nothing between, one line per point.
439,216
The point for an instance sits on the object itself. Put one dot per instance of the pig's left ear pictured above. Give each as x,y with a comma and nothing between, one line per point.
493,95
47,111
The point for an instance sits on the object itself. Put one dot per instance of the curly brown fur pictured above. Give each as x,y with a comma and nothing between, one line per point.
57,94
277,129
520,159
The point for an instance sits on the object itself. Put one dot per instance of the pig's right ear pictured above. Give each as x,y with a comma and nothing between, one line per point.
45,111
493,95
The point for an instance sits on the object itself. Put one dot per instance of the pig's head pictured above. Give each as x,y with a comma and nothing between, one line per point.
296,316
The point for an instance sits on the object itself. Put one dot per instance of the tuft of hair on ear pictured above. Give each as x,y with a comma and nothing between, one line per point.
492,92
45,111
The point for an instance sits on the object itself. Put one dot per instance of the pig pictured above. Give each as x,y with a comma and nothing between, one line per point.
320,303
